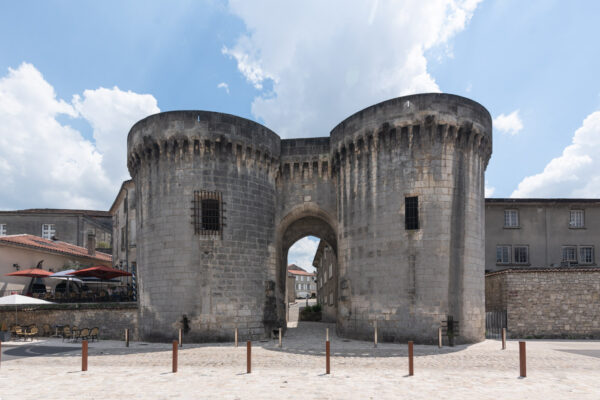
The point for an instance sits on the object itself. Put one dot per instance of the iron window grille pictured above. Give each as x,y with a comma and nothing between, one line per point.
502,254
569,254
207,213
511,218
586,254
576,219
521,254
411,213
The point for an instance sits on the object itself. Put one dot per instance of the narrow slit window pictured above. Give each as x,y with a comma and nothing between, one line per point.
411,213
207,212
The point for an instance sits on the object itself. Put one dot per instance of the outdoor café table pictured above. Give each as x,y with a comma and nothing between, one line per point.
57,327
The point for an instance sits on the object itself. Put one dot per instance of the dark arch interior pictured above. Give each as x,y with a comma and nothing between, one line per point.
300,228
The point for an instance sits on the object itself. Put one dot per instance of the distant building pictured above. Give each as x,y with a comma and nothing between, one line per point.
20,252
541,233
303,282
70,226
124,228
325,263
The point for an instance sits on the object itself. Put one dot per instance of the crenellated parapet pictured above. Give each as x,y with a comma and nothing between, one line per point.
189,136
412,124
305,159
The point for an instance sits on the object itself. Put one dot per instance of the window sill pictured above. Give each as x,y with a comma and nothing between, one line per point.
513,264
577,227
512,227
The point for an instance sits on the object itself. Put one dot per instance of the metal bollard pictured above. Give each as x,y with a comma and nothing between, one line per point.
440,337
327,358
411,371
522,360
375,333
175,345
279,337
180,337
236,337
503,338
84,355
127,337
248,357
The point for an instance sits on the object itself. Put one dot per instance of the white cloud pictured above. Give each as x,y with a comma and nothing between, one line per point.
489,190
223,86
44,163
510,123
576,173
303,252
327,60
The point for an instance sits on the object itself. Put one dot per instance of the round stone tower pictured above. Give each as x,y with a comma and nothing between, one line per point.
205,208
410,204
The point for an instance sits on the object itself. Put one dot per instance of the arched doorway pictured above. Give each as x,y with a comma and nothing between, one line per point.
308,221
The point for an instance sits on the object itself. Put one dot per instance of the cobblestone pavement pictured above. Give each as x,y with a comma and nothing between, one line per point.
556,370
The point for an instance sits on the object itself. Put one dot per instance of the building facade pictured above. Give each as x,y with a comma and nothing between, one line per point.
20,252
396,191
70,226
541,233
124,228
327,281
303,283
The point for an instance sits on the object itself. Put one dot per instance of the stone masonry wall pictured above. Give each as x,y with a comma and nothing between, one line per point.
550,304
112,319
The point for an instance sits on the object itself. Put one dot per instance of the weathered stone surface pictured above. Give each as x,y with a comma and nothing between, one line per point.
111,318
558,303
348,190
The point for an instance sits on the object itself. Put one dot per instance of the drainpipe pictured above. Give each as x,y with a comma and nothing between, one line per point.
127,232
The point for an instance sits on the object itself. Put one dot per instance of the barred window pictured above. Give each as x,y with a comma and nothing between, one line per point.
502,254
521,255
207,212
586,254
411,213
511,218
569,254
2,229
576,219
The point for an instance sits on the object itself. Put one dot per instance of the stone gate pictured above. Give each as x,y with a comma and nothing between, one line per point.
396,190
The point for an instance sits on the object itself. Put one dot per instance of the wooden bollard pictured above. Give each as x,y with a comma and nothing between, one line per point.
522,360
248,357
411,371
440,337
327,358
84,355
180,337
236,337
175,345
127,337
279,337
375,335
503,338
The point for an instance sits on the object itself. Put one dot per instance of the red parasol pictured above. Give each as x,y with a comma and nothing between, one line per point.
31,273
101,272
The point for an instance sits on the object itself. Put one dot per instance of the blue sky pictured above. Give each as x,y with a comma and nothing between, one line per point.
74,76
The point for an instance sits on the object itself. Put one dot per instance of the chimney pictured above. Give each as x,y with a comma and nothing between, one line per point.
91,244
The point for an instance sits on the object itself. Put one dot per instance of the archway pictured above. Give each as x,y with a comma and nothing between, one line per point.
300,223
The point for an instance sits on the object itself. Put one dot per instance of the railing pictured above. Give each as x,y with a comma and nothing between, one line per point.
494,322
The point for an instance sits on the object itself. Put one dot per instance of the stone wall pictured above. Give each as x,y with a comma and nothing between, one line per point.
111,318
557,303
